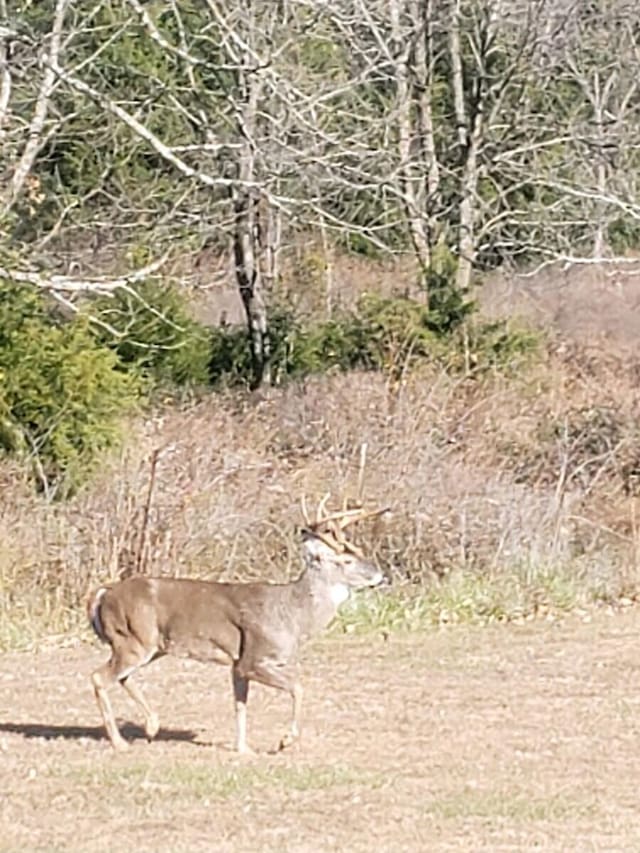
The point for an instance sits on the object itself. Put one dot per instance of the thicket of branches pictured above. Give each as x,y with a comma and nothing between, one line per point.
465,133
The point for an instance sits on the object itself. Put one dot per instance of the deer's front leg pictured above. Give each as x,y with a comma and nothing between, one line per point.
240,694
283,677
294,732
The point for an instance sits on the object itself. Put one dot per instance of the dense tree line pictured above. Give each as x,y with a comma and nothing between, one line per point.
490,130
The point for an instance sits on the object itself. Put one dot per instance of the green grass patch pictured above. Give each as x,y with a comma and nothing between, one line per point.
466,597
195,781
515,806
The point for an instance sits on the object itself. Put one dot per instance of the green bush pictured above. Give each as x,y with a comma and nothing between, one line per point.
449,307
296,350
381,334
229,356
339,344
300,350
396,331
390,334
495,345
623,235
154,336
61,394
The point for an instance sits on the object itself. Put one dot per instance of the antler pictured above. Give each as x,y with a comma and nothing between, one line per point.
343,518
303,510
359,514
363,463
330,528
320,518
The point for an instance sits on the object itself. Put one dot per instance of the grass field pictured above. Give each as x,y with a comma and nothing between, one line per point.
497,738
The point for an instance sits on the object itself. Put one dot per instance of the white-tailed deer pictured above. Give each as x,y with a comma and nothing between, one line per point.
256,628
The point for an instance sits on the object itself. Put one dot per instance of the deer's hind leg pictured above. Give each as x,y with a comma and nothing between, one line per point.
122,663
102,679
151,719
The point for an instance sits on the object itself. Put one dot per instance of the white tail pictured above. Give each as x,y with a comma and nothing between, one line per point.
256,628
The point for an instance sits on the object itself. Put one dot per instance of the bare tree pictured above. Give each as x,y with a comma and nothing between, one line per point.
498,130
601,57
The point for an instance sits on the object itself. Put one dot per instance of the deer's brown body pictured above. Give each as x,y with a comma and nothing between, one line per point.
256,628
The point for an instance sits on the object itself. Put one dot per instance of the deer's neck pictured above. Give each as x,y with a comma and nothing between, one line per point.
320,599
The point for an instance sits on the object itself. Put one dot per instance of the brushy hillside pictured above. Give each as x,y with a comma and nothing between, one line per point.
513,494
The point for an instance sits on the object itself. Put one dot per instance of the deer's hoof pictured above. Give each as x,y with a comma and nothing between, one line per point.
120,745
287,741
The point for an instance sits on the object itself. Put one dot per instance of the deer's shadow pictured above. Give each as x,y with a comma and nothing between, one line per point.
130,731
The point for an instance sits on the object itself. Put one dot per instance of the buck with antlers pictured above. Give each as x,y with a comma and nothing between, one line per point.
256,628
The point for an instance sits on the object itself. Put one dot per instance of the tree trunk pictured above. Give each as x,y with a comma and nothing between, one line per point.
246,249
247,232
34,138
470,119
467,155
599,100
423,16
467,208
410,173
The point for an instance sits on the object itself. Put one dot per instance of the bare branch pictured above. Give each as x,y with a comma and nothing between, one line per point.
34,138
134,124
157,36
68,284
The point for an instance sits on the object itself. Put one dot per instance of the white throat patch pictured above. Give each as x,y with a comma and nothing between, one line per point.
339,593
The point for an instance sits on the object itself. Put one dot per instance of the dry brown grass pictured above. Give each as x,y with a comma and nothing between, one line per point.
582,302
525,482
496,739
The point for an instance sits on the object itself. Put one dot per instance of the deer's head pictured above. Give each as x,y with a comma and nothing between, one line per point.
328,550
